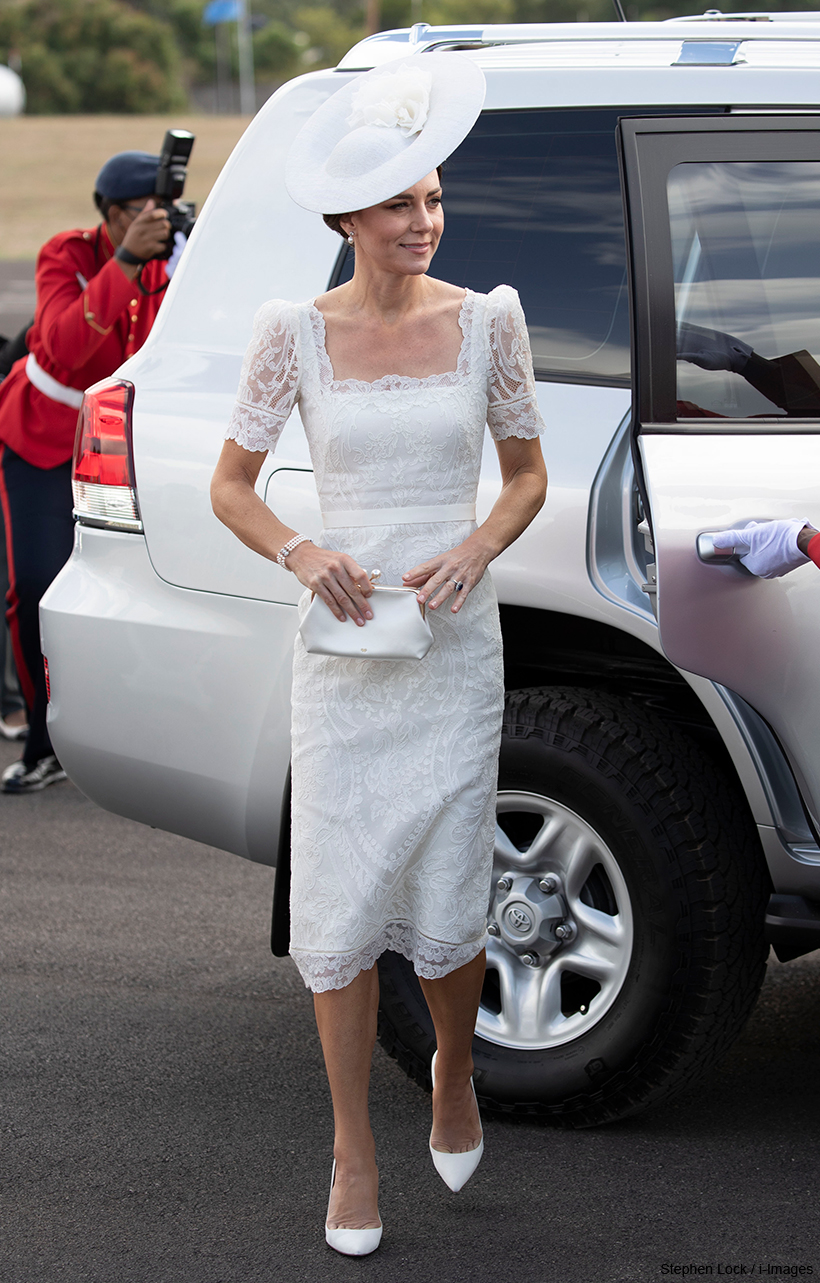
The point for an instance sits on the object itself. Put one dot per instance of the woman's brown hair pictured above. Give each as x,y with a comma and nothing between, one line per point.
334,221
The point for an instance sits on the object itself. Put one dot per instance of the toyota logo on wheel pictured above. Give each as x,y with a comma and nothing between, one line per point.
518,919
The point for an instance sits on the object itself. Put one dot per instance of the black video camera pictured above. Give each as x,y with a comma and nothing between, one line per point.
170,184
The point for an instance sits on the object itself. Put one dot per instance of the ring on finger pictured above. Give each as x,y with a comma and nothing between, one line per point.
458,586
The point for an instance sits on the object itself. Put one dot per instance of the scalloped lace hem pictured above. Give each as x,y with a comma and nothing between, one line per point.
248,437
431,959
526,433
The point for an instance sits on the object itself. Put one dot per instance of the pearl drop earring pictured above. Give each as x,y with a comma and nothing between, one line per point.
350,240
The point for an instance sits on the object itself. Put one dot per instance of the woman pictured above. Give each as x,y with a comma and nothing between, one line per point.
394,763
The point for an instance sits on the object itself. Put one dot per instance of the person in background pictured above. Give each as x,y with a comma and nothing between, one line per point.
770,549
13,717
98,293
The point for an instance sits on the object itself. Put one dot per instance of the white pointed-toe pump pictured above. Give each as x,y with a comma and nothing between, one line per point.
350,1242
455,1169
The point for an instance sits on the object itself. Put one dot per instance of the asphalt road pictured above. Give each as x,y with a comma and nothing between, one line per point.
166,1119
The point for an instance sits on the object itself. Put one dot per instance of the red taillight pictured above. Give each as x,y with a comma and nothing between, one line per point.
101,447
48,682
103,474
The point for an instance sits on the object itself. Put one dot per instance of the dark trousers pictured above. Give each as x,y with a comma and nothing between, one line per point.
37,507
11,701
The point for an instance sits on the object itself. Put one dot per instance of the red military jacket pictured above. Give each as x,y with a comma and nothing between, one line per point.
89,318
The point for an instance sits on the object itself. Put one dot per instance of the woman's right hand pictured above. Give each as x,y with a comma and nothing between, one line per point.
336,578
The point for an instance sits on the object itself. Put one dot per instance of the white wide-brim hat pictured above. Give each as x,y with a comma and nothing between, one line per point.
382,132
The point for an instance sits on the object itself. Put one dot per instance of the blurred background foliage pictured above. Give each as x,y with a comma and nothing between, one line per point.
151,55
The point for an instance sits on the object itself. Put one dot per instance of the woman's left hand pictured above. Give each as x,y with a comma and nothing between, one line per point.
455,573
452,573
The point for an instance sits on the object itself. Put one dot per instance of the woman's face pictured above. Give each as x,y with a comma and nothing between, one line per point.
400,235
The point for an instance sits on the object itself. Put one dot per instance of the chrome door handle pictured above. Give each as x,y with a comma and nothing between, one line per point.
708,552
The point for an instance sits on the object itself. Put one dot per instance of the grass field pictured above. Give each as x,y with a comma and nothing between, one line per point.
49,164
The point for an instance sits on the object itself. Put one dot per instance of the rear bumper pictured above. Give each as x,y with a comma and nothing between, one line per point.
169,706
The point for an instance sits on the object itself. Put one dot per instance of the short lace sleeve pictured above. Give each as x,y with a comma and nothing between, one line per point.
269,383
512,410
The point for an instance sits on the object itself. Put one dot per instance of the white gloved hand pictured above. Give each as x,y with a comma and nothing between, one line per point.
180,241
767,548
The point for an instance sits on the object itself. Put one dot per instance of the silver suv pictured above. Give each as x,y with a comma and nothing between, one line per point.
652,191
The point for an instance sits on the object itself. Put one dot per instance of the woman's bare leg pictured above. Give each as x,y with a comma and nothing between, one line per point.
453,1001
346,1019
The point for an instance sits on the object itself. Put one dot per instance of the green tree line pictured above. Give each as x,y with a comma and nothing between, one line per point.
143,55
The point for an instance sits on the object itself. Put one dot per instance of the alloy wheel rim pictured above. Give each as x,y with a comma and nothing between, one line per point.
566,992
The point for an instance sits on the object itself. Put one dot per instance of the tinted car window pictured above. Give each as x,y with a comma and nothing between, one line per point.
532,199
746,254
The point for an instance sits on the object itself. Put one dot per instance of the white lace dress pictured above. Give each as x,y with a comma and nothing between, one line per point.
394,763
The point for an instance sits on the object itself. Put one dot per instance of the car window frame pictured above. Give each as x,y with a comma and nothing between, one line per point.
650,148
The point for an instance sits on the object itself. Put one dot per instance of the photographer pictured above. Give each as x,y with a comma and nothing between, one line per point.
98,293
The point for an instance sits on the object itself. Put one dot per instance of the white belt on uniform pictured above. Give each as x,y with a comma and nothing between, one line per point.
400,516
50,387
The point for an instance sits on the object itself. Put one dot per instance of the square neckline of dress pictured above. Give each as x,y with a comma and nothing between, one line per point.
319,330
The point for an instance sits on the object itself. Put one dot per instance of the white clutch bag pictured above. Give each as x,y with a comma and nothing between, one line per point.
398,629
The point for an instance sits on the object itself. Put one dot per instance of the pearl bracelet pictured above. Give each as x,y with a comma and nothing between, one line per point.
281,556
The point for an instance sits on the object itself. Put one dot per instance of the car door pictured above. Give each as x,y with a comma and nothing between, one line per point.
723,218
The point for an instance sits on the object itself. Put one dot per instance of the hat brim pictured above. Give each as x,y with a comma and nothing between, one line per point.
456,98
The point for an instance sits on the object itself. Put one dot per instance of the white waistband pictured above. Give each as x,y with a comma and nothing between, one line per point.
50,387
400,516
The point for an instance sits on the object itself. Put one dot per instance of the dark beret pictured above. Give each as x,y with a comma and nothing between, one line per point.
128,174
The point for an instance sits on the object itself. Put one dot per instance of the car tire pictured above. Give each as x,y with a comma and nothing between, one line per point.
678,862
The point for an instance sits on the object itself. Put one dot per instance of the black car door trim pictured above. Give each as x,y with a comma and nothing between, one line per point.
649,149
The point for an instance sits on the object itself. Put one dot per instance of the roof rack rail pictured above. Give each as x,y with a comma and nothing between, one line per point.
776,16
717,15
422,38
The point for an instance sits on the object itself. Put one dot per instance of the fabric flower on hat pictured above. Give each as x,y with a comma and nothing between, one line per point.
398,100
